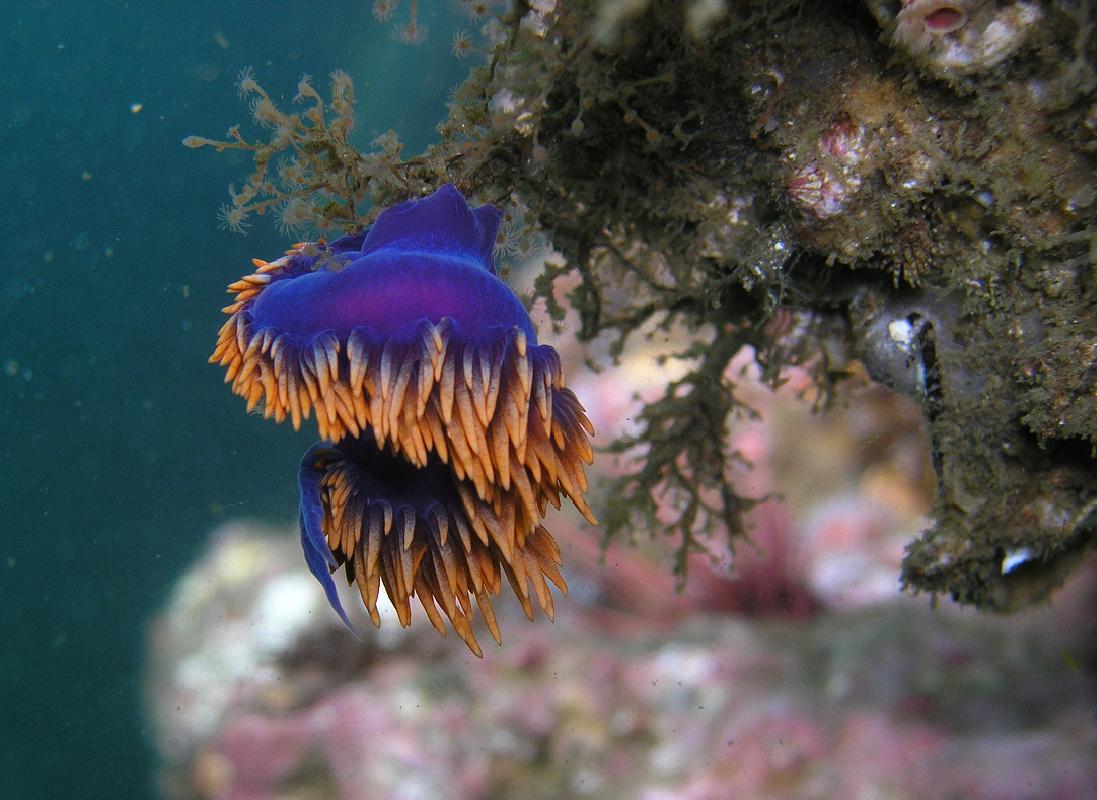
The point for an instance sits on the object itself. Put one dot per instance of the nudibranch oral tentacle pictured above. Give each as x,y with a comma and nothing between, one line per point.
444,422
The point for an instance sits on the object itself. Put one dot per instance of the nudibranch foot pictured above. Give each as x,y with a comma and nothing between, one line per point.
415,532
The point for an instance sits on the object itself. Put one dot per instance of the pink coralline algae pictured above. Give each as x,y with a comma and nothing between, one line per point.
894,701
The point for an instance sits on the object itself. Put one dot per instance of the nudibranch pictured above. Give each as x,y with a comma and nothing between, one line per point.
447,429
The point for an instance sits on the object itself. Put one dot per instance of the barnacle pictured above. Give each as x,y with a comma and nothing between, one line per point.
963,36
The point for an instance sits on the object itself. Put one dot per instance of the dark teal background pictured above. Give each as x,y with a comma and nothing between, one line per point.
120,448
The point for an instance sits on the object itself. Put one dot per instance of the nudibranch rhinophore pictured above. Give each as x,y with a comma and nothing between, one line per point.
447,429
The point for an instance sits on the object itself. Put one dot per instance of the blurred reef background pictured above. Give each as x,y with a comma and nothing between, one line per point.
803,673
734,213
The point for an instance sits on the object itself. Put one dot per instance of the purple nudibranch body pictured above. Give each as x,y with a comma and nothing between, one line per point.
423,259
447,429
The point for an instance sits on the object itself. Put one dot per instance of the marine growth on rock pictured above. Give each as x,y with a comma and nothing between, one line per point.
908,185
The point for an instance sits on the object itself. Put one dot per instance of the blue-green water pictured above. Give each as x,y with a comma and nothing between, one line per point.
119,446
